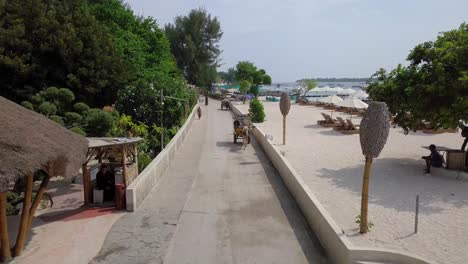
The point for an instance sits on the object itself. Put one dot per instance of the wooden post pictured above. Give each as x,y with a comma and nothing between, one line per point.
86,183
365,196
135,148
123,152
39,195
24,228
416,215
284,130
4,237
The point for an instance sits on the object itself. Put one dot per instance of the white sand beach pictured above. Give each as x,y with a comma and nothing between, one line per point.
332,165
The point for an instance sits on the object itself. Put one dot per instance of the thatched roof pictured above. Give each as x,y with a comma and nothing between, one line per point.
29,141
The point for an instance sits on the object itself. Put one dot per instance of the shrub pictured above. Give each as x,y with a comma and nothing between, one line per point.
47,109
27,105
99,123
57,119
79,131
81,108
256,111
72,118
143,161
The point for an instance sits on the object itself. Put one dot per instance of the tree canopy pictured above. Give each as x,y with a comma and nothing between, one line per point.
57,43
247,71
432,88
194,42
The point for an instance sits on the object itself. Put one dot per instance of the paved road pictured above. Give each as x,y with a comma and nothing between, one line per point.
216,204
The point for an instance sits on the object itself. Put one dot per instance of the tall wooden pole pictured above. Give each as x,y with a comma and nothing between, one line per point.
86,183
4,237
284,130
123,152
365,196
39,195
24,228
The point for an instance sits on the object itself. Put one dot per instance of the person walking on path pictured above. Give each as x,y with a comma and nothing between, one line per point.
199,112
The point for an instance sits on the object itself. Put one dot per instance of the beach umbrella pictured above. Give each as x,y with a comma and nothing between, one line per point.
353,103
333,99
347,91
361,95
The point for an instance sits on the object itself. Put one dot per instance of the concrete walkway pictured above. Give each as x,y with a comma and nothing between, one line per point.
216,204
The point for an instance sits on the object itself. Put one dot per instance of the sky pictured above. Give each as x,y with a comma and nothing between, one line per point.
294,39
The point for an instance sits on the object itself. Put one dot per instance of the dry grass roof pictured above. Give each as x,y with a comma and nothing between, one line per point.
30,141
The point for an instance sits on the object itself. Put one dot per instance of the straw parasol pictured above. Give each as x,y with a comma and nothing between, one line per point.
28,142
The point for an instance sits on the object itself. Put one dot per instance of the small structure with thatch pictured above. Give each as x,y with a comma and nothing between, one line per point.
30,142
120,154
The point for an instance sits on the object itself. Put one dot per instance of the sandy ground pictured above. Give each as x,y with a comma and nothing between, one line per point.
332,165
67,232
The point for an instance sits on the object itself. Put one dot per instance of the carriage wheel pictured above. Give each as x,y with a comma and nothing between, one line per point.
235,139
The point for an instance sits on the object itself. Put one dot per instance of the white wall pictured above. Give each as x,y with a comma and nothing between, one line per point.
333,240
151,176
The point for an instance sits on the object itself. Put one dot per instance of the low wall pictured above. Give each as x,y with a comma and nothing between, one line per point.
151,176
330,235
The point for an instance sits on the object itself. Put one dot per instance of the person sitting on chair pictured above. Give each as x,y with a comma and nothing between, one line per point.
434,159
105,181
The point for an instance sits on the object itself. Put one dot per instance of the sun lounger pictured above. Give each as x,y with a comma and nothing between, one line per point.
352,128
343,125
328,122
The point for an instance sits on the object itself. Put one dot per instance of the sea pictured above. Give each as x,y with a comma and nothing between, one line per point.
289,86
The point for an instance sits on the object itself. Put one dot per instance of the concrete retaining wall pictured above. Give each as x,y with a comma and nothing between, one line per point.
151,176
330,235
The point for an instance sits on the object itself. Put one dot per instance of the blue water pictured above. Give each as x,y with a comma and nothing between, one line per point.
294,85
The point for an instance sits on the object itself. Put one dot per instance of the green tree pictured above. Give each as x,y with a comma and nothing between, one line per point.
246,70
305,85
228,76
244,87
195,44
433,88
98,123
57,43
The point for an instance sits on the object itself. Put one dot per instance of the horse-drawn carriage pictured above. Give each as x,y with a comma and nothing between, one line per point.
242,126
225,104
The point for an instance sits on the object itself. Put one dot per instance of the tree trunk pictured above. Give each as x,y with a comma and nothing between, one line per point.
38,197
284,130
245,97
4,237
365,196
24,228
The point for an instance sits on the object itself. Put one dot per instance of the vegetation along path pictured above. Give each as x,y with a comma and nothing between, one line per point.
216,204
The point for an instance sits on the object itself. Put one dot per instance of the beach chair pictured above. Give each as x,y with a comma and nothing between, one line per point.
321,122
352,128
330,122
343,125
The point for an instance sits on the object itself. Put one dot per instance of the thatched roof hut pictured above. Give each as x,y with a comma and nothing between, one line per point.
30,141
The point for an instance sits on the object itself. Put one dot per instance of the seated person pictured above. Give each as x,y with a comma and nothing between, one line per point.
434,159
236,123
105,181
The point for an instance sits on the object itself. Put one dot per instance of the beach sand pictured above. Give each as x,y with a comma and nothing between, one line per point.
332,165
